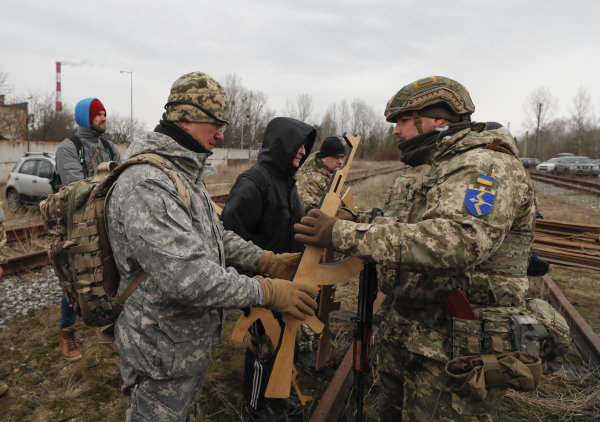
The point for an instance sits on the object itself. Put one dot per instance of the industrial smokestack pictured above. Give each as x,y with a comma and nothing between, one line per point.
58,90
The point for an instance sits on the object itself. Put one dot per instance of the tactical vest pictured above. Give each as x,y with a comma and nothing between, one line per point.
406,200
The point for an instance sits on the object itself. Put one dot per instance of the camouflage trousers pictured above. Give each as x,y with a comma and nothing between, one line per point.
171,400
3,250
415,388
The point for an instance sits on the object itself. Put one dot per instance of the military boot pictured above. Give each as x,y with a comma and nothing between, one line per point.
68,347
3,388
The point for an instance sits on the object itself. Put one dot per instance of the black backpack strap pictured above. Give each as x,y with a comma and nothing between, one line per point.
108,148
79,147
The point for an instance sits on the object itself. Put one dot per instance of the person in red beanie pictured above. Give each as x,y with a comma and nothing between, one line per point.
78,157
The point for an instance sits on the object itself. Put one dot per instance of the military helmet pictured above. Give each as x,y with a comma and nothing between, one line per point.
429,91
196,97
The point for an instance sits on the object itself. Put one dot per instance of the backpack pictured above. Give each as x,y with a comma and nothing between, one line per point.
80,251
56,182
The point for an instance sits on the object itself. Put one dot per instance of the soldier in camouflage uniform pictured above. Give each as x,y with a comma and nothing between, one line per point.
461,216
171,323
313,177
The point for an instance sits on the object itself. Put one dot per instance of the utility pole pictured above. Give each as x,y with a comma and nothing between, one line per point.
131,74
537,130
525,144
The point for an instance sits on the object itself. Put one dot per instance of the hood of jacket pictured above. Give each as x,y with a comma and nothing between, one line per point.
283,138
474,137
192,165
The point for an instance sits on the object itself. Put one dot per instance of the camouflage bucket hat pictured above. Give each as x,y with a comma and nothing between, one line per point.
196,97
426,92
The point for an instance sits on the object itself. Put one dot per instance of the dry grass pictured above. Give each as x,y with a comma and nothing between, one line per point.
562,209
561,396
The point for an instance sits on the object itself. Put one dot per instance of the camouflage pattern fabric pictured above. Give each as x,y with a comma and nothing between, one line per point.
164,400
201,89
428,243
429,91
172,322
3,247
312,180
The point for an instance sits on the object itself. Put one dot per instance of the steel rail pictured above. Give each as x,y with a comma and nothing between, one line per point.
26,262
563,182
584,337
334,399
19,233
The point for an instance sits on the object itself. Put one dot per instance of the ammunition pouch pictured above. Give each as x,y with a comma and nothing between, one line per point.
495,333
527,334
471,375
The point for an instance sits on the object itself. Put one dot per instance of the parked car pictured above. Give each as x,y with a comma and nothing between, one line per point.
29,180
576,165
530,162
565,154
547,165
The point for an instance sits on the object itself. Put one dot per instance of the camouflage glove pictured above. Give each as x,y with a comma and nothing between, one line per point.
296,299
315,229
277,265
345,214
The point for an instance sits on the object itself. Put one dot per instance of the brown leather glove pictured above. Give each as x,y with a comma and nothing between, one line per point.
296,299
345,214
277,265
315,229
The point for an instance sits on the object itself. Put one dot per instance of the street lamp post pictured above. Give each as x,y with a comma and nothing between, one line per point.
131,74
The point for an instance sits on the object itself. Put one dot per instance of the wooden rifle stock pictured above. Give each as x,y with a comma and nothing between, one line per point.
308,271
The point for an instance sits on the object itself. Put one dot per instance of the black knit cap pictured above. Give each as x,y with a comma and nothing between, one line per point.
331,146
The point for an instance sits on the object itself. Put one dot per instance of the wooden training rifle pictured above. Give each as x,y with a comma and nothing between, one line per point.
327,303
310,271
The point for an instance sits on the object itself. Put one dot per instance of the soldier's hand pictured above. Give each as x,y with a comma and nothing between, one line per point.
315,229
345,214
296,299
277,265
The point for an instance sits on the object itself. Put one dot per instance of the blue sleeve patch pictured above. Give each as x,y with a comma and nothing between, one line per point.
479,201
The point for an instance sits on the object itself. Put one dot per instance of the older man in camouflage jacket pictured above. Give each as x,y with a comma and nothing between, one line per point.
172,322
313,177
462,216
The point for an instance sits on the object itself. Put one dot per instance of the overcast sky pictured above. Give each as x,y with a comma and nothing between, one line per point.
500,50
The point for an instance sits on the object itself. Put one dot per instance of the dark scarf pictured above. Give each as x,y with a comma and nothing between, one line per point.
180,136
415,150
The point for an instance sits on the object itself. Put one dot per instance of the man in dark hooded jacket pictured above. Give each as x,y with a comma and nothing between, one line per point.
263,207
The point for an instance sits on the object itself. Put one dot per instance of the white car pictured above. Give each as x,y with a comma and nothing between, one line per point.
29,180
547,166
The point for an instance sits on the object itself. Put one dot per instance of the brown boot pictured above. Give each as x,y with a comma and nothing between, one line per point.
3,388
68,347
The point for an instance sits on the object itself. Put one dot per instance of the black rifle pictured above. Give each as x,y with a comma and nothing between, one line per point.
367,292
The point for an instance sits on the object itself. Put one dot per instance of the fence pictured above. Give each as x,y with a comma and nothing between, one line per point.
12,151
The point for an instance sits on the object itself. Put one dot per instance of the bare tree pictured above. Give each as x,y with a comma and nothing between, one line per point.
301,108
118,128
581,112
343,116
6,87
248,111
540,109
49,124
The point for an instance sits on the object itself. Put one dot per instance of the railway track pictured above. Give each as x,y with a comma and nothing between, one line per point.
589,187
39,259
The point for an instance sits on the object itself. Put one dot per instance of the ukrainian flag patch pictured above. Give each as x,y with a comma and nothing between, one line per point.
485,180
478,200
